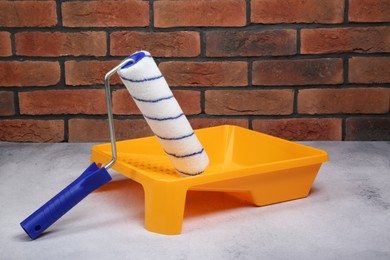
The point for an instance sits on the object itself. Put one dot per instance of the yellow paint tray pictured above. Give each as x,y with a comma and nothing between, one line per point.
271,169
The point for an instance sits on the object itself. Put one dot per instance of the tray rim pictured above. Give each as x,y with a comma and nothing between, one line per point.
318,158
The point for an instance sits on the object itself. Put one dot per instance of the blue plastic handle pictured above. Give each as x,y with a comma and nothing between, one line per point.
91,179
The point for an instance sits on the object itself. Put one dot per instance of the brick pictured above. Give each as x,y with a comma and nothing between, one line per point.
123,104
161,44
197,123
89,72
250,43
54,102
337,40
344,101
369,11
29,73
28,14
96,130
367,129
301,128
369,70
17,130
291,11
5,44
130,13
205,73
255,102
61,43
199,13
298,72
7,105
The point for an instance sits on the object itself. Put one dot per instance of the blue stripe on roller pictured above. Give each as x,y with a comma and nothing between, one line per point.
175,138
152,100
164,118
185,155
190,174
142,80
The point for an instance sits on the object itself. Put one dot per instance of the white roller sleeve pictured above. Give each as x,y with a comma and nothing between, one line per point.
159,107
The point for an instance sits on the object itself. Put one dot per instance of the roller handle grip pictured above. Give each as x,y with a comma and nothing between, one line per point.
91,179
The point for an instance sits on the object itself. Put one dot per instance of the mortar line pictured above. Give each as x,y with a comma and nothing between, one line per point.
295,101
248,12
16,103
59,13
151,16
108,44
343,128
346,12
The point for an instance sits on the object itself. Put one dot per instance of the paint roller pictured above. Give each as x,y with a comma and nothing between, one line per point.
151,93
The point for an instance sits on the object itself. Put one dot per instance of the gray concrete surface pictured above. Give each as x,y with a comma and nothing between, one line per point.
346,216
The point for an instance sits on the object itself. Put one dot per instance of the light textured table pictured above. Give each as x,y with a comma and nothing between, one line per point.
346,216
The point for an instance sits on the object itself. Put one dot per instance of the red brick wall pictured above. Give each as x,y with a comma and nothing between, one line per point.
301,70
